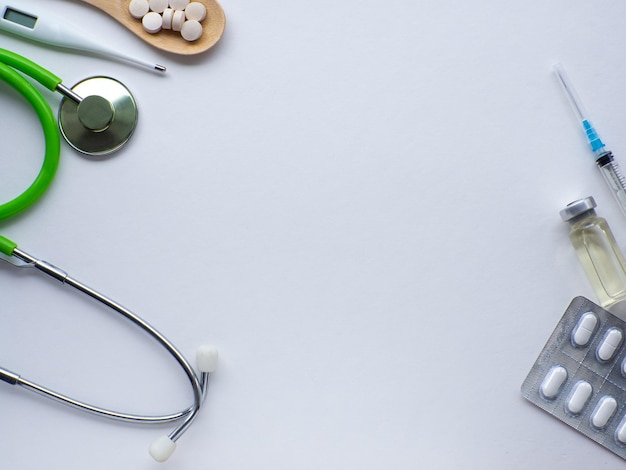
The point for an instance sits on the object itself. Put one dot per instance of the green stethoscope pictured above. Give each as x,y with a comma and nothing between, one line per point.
97,124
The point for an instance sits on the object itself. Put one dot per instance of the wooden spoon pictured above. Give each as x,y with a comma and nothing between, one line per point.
168,40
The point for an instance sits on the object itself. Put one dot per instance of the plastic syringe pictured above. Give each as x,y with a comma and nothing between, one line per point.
604,157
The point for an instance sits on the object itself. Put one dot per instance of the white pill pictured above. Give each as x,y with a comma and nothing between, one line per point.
584,329
168,13
152,22
158,6
620,432
178,19
191,30
178,4
603,412
195,11
610,343
579,397
553,381
138,8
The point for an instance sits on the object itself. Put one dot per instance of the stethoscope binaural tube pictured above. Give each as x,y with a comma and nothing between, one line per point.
8,62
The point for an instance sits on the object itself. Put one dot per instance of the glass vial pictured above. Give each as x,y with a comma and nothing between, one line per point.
597,251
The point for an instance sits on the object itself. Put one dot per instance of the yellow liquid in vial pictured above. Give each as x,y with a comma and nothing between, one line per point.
601,259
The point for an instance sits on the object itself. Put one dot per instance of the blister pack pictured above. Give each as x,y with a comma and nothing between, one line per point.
580,375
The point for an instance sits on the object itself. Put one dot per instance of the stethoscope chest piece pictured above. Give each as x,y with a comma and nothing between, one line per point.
104,118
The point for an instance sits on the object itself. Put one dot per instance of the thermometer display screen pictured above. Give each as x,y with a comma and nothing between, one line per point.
20,18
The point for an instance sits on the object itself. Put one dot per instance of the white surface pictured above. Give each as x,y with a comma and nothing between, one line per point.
363,219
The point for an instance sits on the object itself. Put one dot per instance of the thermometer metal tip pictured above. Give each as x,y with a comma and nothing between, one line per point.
159,68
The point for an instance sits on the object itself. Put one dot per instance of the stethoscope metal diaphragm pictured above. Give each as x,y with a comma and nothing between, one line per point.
102,120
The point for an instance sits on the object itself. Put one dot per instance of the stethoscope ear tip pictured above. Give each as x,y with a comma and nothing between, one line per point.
162,448
206,358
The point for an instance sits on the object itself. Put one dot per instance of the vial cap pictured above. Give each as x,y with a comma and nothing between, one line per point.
576,208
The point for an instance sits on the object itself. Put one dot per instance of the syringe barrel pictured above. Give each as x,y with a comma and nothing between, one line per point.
614,179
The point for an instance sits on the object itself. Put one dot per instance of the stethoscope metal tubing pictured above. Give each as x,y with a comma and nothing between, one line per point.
180,430
199,385
68,93
15,379
45,392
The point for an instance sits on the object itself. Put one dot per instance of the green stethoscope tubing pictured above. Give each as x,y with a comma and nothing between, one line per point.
9,63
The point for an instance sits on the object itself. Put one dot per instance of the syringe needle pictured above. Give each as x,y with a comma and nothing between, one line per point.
604,158
592,136
570,92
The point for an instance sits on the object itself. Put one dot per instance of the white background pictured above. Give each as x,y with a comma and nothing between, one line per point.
356,201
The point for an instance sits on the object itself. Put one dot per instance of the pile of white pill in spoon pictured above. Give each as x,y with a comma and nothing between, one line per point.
178,15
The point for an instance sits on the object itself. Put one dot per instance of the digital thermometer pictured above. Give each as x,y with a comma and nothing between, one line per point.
55,31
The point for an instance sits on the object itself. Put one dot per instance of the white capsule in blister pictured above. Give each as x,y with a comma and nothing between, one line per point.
610,343
590,344
553,381
620,432
603,412
584,329
579,397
